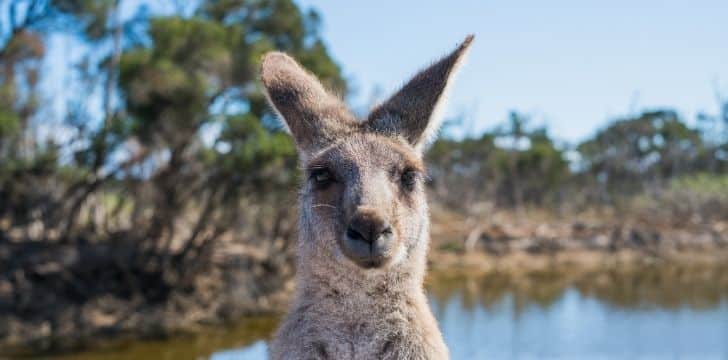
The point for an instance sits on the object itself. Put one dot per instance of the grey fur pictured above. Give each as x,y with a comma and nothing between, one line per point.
415,110
342,310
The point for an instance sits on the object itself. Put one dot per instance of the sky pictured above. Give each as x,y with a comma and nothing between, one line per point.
572,65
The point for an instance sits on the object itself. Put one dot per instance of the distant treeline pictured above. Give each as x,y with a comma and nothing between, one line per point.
164,141
649,153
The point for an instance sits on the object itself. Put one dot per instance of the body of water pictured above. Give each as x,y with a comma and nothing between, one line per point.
640,314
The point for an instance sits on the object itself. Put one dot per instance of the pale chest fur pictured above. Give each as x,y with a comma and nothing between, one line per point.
358,327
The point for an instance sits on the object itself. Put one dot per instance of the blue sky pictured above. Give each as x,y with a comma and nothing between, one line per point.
571,64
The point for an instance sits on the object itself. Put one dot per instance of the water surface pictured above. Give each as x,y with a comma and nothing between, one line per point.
645,313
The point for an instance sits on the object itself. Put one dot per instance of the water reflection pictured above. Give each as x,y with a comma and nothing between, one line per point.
626,313
247,338
645,313
659,286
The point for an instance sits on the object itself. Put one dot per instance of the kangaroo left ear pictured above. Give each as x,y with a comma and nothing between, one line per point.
313,116
415,111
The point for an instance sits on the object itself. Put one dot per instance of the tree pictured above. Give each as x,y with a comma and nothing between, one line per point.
631,153
511,165
198,75
21,50
188,154
714,131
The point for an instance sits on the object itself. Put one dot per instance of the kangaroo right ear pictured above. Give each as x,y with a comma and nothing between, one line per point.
415,111
314,117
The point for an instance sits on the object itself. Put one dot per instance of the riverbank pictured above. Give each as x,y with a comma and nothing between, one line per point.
492,300
58,298
504,242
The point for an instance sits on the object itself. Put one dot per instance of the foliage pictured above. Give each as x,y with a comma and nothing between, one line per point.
696,198
511,165
184,152
515,165
651,147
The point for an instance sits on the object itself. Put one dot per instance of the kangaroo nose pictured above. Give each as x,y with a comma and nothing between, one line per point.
368,228
369,239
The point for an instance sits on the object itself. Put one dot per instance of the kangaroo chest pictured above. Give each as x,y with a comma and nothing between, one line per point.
342,330
377,335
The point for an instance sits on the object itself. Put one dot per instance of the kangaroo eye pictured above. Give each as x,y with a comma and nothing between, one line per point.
322,177
409,179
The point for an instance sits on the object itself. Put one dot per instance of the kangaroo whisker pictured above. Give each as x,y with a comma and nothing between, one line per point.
323,205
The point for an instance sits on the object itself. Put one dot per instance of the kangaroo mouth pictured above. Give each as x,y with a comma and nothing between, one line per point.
372,263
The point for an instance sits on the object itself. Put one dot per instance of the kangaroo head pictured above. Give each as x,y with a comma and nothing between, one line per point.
363,198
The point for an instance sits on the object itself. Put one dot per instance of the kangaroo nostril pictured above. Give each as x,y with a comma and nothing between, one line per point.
355,235
369,227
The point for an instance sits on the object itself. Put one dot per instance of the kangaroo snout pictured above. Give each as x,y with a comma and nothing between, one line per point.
368,239
368,228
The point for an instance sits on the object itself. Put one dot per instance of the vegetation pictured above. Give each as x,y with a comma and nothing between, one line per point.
128,200
647,155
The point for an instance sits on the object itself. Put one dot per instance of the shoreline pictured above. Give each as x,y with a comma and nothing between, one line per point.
475,263
569,267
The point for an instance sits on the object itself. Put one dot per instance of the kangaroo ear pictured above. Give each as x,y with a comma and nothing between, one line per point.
414,112
314,117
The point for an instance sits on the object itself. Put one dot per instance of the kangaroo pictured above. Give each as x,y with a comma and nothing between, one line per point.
364,220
